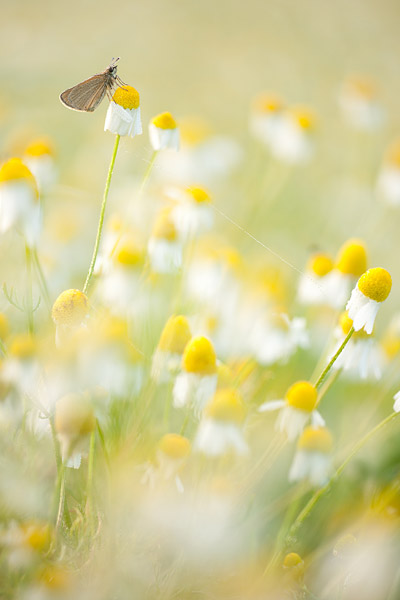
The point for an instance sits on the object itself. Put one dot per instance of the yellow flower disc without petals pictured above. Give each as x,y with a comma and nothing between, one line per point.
174,445
304,117
55,578
352,258
164,121
320,264
175,335
345,322
292,560
375,284
316,439
70,308
37,535
199,357
23,346
302,395
268,103
227,405
74,415
127,97
129,254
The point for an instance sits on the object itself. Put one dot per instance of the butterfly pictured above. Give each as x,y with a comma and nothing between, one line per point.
87,95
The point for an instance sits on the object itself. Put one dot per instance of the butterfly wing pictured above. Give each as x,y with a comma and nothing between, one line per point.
86,96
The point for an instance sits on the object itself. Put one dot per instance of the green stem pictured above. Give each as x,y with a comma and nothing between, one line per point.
61,484
333,359
29,308
42,279
325,489
148,171
89,491
101,219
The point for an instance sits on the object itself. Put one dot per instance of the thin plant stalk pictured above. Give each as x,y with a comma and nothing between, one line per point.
89,490
101,219
329,366
42,279
148,171
29,306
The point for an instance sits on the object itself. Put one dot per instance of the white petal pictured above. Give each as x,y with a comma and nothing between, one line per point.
271,405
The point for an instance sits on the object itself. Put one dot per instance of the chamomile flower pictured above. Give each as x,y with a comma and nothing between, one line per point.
362,357
19,201
221,426
293,140
312,460
123,114
74,421
265,117
298,407
312,284
168,355
164,132
192,213
165,246
39,157
172,452
121,273
276,337
69,313
388,183
197,382
350,263
371,290
359,103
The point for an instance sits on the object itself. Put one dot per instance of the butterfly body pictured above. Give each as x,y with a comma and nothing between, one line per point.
87,95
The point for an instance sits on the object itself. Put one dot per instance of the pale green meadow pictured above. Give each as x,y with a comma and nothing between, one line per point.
199,305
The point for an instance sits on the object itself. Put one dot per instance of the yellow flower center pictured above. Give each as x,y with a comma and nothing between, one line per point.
316,439
320,264
375,284
127,97
302,395
70,308
228,406
199,194
15,169
345,322
361,87
39,147
23,346
164,121
55,577
199,357
174,446
175,335
391,345
292,560
37,535
268,103
128,254
352,258
164,228
74,415
304,117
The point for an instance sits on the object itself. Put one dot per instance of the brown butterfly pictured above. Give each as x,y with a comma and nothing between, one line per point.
87,95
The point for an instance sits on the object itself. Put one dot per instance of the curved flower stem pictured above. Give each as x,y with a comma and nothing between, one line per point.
42,279
89,490
101,219
333,359
148,171
324,490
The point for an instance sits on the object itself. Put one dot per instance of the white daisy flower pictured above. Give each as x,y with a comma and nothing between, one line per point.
221,426
74,420
293,140
388,183
164,246
123,114
350,263
164,132
298,407
371,290
313,283
19,201
39,158
171,455
167,358
359,104
312,460
265,117
192,213
197,382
